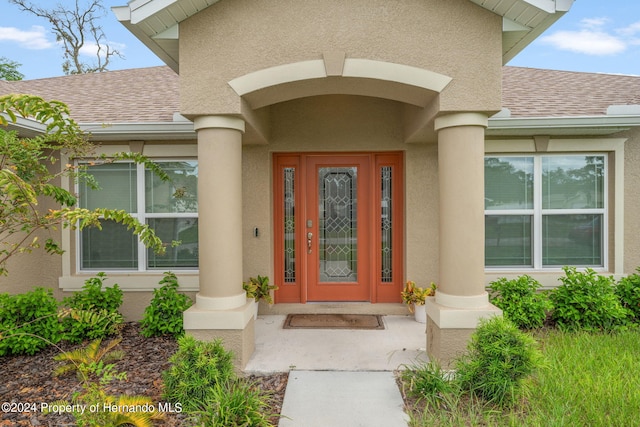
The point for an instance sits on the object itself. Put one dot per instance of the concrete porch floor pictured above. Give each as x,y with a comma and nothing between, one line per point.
402,342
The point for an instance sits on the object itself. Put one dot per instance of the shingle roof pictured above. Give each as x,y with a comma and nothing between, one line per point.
126,96
531,92
152,95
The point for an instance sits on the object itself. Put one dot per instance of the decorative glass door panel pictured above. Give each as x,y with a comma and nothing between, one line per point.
338,224
336,228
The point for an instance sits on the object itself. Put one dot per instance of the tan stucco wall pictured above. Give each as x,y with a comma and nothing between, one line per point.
233,38
28,271
632,202
35,269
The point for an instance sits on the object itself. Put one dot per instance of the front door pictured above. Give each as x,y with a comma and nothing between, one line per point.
337,228
338,222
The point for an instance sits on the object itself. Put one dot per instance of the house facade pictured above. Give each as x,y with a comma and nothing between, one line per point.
342,148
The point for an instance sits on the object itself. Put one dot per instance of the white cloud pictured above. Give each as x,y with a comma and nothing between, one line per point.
35,39
594,22
589,42
593,38
629,31
91,48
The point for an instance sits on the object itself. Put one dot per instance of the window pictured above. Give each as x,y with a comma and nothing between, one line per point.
545,210
170,208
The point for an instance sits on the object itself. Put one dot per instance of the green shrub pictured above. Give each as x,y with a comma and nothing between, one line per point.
234,404
628,292
427,381
586,300
500,357
164,315
93,299
520,302
28,322
196,369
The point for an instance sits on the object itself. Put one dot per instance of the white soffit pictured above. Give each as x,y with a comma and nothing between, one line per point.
524,20
155,22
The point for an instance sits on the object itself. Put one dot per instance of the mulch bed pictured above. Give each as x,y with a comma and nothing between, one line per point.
29,379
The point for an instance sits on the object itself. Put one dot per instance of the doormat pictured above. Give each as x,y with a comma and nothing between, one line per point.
333,321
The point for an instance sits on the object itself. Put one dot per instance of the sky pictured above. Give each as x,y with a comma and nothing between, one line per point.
599,36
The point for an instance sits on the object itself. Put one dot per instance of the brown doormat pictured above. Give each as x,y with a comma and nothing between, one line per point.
333,321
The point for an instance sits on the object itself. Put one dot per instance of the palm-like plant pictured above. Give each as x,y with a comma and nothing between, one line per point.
95,371
92,353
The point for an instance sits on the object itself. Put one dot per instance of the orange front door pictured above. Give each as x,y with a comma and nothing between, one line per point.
338,224
337,228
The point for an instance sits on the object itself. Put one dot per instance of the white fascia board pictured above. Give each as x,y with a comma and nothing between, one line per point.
605,124
122,13
25,127
141,131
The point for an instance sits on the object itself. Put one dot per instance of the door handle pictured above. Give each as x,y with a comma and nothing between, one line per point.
309,237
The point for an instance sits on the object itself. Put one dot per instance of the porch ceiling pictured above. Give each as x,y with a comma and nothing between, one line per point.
155,22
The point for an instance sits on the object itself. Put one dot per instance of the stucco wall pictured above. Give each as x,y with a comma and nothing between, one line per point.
35,269
632,202
233,38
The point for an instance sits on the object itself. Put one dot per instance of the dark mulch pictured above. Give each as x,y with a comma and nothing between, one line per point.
29,379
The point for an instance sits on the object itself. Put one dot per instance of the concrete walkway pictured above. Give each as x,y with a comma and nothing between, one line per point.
342,399
339,377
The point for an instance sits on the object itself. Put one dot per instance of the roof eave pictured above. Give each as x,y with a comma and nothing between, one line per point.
26,128
164,131
559,126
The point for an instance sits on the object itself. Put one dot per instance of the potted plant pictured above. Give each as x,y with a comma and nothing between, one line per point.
414,295
259,288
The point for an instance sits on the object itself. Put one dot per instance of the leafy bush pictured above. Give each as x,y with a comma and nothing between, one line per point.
586,300
628,292
196,369
428,381
520,301
234,404
164,315
93,299
500,357
28,322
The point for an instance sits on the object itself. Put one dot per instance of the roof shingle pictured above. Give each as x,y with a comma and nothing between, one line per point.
126,96
147,95
532,92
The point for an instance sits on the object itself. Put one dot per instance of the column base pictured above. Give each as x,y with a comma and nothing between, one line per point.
235,327
449,329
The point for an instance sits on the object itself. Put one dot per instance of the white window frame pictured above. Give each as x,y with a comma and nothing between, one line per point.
615,211
537,213
142,216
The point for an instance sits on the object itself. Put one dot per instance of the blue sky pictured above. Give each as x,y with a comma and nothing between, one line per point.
601,36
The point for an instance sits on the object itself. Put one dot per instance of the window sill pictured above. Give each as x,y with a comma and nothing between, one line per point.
131,282
548,278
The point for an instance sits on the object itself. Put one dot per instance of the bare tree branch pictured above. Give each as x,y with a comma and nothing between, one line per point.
74,29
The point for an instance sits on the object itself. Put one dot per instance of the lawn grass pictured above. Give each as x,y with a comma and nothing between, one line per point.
590,379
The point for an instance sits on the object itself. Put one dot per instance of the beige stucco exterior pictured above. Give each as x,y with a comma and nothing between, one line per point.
342,87
231,39
420,77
